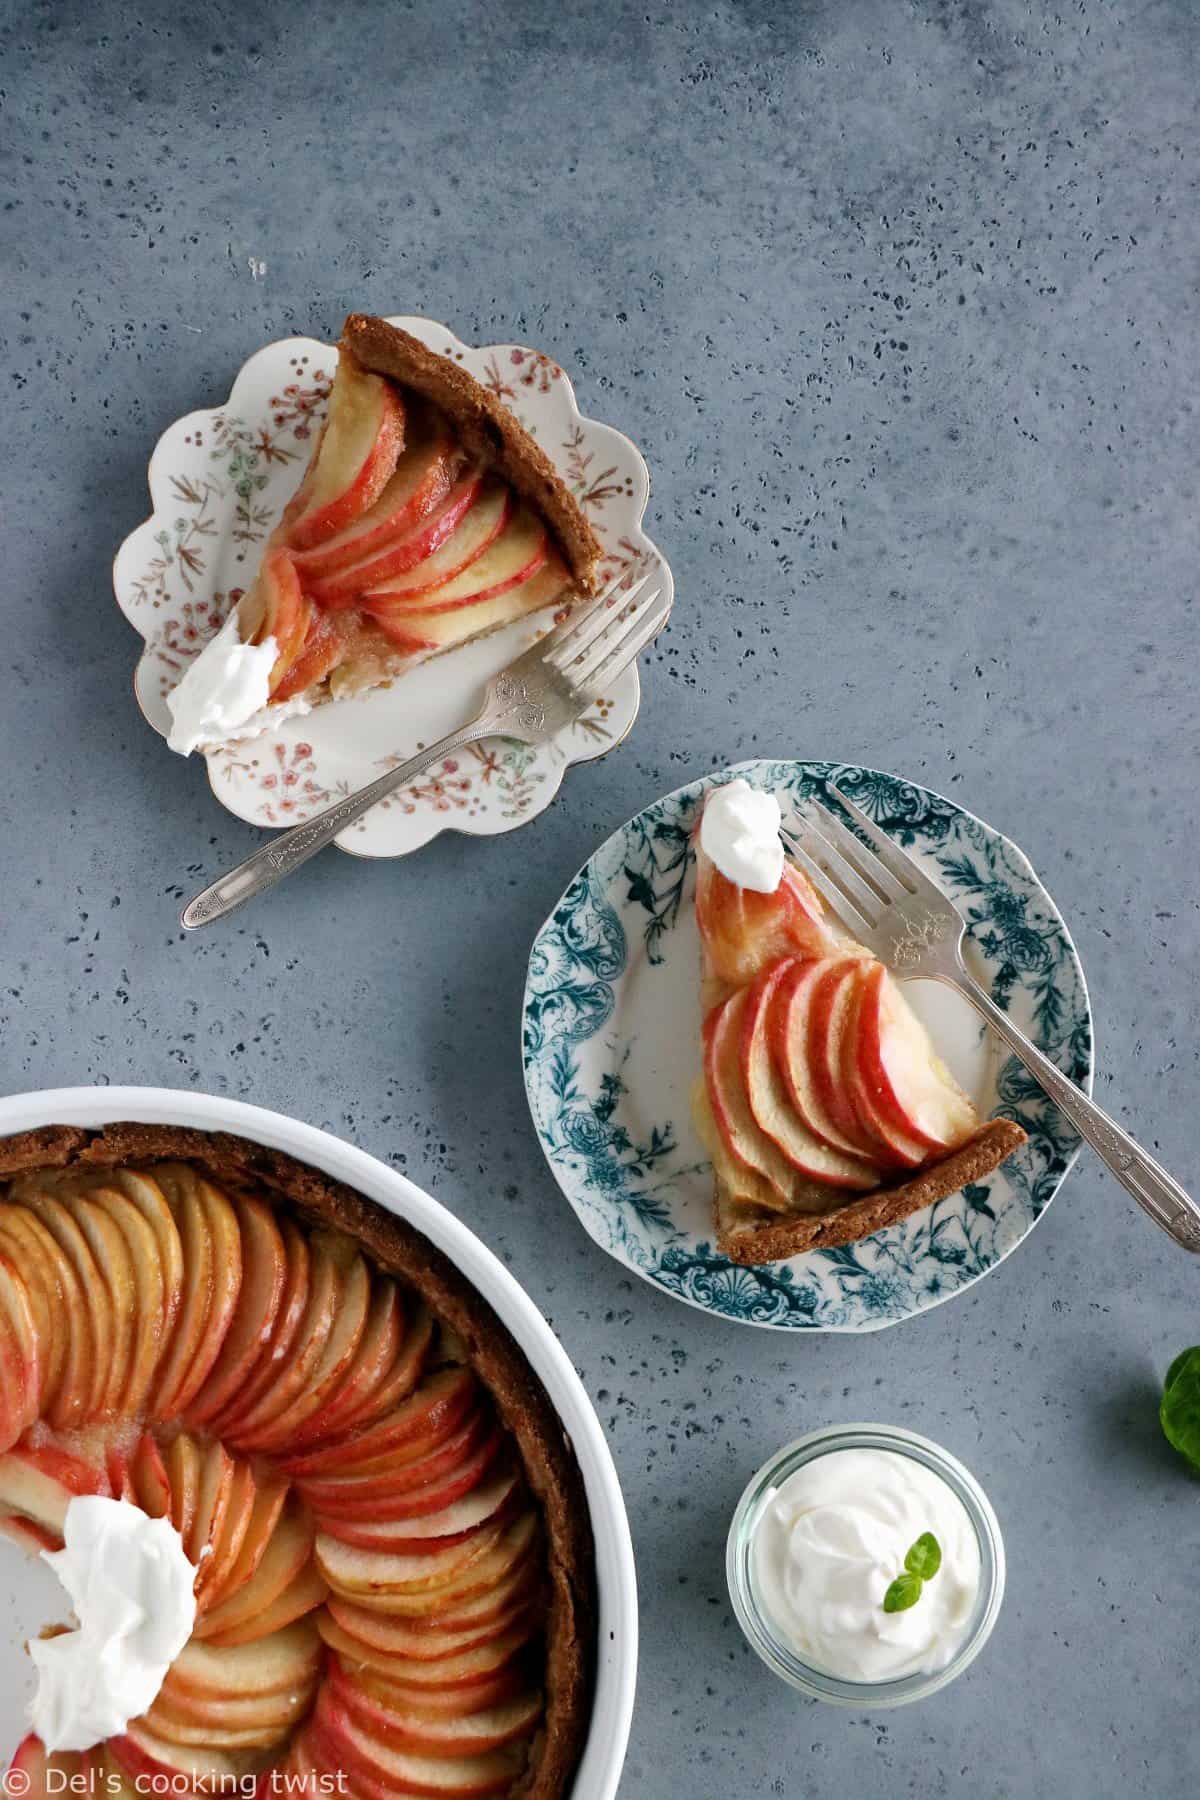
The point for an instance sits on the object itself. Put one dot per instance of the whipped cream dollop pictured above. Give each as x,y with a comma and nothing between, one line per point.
133,1592
222,691
739,830
829,1542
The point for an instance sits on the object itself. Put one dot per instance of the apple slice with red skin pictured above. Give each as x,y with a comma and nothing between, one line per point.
149,1477
149,1761
276,607
396,1385
903,1081
427,631
20,1369
797,1026
513,1590
29,1246
355,458
730,1104
323,1300
272,1356
419,1640
489,1562
471,516
832,1036
227,1541
212,1254
323,649
409,1486
92,1324
428,1415
455,1701
258,1538
152,1313
377,1772
181,1459
213,1497
29,1536
423,477
490,1500
337,1356
301,1597
743,931
373,1361
512,555
38,1775
392,1716
264,1270
286,1560
373,1576
277,1665
771,1103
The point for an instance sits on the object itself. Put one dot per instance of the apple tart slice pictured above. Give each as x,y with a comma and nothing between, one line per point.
428,517
823,1104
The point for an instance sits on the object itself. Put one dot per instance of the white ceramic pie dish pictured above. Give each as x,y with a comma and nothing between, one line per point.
29,1594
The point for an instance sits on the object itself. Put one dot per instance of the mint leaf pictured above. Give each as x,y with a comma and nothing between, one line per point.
925,1557
904,1592
1179,1412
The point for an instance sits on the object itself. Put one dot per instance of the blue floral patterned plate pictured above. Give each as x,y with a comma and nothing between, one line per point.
611,1047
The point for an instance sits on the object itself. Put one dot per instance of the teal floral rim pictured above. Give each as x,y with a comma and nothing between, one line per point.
610,1044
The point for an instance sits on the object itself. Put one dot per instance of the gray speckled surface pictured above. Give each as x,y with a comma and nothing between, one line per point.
900,303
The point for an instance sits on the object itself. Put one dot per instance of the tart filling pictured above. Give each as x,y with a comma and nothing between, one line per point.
393,1572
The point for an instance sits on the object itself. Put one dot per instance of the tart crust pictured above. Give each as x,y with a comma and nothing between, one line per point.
520,1398
486,429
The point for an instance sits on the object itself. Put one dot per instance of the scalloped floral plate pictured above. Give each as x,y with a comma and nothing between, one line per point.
219,481
611,1047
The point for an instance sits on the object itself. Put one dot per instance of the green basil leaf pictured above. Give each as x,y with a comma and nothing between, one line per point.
904,1592
925,1557
1179,1412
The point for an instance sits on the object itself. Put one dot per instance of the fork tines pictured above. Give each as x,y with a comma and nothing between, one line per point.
858,883
596,642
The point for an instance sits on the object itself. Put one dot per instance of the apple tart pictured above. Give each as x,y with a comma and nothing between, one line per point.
427,517
823,1104
394,1566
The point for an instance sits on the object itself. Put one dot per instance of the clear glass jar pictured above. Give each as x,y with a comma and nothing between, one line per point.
754,1618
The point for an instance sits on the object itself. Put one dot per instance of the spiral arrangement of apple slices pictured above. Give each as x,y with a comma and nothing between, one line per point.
819,1082
395,546
370,1568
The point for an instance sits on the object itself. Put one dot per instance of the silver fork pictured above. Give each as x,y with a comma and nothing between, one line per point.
546,688
890,904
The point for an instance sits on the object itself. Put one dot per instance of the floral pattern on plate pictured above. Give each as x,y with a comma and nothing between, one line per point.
611,1037
218,483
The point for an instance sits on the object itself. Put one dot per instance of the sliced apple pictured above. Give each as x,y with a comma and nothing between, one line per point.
357,1393
303,1594
725,1082
92,1324
398,1383
237,1569
146,1193
227,1538
264,1269
425,1418
744,931
290,1378
484,1500
20,1363
29,1246
150,1762
456,1575
424,476
897,1076
517,547
355,458
445,1472
213,1494
371,1575
770,1101
284,1556
149,1478
38,1482
324,648
470,517
273,1354
378,1771
153,1305
338,1350
212,1252
286,1660
36,1774
395,1716
797,1027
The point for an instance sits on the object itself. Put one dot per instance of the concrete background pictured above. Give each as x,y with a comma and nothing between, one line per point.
899,301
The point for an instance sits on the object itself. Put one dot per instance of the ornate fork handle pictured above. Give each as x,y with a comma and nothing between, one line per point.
286,853
1156,1192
